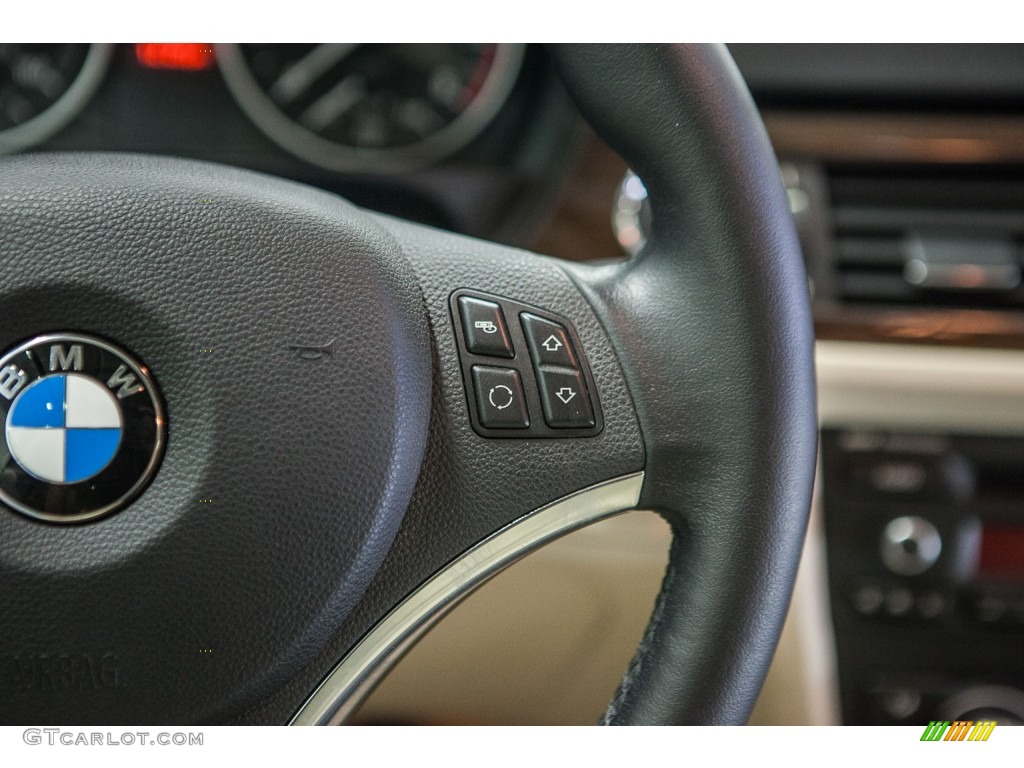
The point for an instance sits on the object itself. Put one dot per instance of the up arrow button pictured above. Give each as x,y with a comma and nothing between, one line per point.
548,342
551,344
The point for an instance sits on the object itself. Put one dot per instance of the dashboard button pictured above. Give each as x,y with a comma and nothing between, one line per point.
564,397
931,604
868,600
548,341
910,545
483,326
899,601
499,398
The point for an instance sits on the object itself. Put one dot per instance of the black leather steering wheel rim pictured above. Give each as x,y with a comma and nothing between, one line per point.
721,224
701,351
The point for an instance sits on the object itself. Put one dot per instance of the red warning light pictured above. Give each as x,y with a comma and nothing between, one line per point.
183,56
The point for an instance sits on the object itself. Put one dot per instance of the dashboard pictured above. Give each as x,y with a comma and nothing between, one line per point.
467,137
904,167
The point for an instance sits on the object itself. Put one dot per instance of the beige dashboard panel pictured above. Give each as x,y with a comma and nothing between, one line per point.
544,642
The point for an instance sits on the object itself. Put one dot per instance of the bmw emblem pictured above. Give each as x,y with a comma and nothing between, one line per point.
83,428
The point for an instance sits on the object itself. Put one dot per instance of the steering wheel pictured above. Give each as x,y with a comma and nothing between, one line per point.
356,420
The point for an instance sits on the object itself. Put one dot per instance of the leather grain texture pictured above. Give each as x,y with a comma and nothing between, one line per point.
712,322
310,465
284,480
471,486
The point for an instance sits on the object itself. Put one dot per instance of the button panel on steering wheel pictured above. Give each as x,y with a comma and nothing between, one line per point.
531,379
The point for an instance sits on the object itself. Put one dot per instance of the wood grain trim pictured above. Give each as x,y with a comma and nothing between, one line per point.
889,138
993,329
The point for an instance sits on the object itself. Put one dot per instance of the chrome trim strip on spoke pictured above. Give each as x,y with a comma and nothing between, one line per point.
351,681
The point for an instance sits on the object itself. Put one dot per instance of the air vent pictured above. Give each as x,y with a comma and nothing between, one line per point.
935,238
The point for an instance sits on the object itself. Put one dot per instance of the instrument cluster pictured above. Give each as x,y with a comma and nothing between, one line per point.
470,137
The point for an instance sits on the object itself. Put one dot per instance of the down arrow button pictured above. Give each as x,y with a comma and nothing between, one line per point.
563,395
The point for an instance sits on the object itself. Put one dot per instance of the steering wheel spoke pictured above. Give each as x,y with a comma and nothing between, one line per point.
489,495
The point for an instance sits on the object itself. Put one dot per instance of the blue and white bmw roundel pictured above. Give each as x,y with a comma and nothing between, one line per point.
83,428
64,428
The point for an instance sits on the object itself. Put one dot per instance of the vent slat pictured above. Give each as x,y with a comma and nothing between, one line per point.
877,212
903,219
869,251
876,286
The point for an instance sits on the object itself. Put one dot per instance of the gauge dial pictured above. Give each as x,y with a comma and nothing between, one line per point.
43,86
371,107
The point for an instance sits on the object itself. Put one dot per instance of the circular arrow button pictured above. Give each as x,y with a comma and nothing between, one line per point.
501,397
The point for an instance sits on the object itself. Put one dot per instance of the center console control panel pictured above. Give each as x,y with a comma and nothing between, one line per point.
925,542
524,370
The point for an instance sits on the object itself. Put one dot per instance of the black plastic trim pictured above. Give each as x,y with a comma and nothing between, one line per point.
522,363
